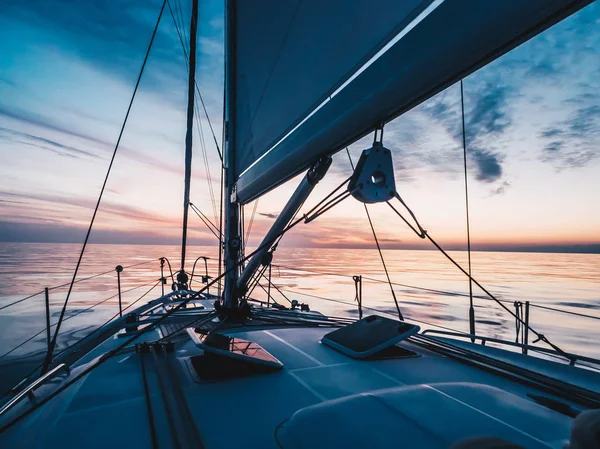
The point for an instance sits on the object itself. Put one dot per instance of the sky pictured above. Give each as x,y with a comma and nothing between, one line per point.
67,72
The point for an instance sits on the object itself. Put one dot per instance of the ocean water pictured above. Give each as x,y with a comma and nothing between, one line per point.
429,289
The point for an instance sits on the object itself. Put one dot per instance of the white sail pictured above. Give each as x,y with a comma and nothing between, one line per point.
295,57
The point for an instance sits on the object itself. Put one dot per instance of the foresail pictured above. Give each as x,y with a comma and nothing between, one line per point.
302,88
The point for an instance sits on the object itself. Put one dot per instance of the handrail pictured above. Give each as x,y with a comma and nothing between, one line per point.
574,357
29,390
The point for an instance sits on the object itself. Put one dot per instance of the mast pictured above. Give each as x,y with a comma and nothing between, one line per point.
182,278
232,208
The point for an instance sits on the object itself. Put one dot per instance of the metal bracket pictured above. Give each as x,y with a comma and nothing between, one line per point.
373,179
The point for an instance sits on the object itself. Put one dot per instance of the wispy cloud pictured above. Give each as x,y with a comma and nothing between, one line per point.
489,111
45,144
27,119
124,211
500,189
51,232
268,215
487,116
36,119
575,141
488,165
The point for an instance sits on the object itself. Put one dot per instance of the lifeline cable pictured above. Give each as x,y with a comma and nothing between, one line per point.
464,141
64,309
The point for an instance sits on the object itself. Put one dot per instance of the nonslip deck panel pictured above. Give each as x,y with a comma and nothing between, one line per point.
112,397
424,416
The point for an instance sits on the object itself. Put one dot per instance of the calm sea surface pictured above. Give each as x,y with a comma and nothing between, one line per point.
429,289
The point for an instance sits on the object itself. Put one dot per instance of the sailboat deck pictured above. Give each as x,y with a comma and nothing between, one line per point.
110,406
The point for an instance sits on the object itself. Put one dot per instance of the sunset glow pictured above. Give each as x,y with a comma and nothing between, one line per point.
532,119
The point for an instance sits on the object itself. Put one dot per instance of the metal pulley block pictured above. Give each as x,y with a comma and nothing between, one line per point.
373,179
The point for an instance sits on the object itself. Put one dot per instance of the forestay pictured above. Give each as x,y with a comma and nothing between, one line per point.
292,58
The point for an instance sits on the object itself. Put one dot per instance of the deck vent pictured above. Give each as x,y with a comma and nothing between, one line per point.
369,336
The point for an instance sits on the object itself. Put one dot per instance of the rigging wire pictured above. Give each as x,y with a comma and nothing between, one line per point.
242,224
209,123
64,309
172,276
333,202
103,274
365,307
148,399
425,235
181,21
276,288
383,281
68,283
23,299
189,133
181,40
377,240
254,282
72,316
118,313
82,339
198,122
251,222
206,163
221,240
269,295
464,141
432,290
206,222
554,309
194,324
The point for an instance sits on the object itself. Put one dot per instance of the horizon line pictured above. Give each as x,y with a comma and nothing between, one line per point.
584,248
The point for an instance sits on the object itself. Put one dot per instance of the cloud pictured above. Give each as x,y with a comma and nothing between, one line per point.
46,144
551,132
562,60
487,164
585,121
67,233
489,113
31,118
575,141
37,200
501,189
487,116
268,215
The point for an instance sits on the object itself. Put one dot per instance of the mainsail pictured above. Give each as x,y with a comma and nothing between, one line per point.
313,76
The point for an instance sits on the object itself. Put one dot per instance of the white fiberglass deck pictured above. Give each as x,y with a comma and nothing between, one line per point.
430,400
